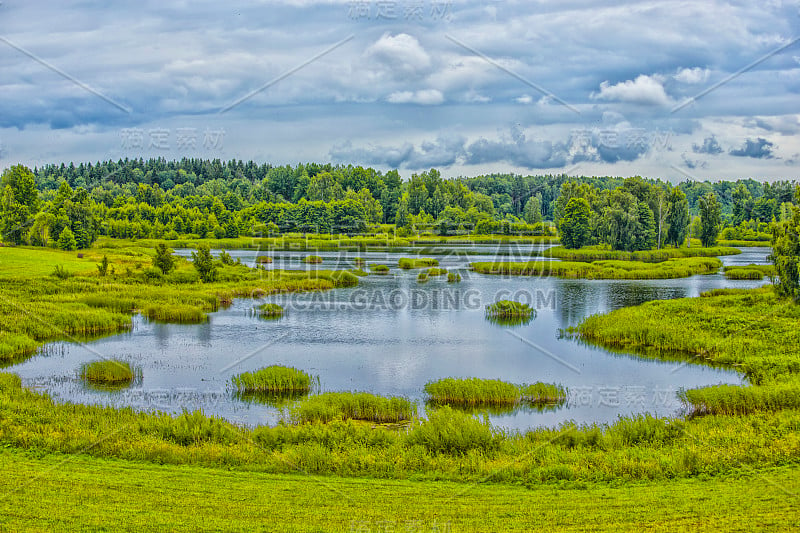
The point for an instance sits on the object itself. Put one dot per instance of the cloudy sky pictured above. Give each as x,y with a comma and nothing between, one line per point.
662,89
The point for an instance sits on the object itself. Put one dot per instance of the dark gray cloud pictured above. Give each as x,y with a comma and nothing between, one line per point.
757,149
710,146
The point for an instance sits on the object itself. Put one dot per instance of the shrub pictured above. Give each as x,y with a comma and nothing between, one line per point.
61,273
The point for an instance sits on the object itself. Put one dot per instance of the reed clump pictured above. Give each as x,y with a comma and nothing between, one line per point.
175,313
263,260
509,309
108,372
605,269
270,310
435,271
417,262
379,269
422,277
591,254
749,272
273,379
472,392
312,259
453,277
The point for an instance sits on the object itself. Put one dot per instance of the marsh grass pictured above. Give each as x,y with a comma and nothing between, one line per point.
330,406
453,277
109,372
359,261
175,314
270,310
312,259
417,262
508,309
263,260
422,277
591,254
435,271
273,379
452,432
605,269
379,269
749,272
472,392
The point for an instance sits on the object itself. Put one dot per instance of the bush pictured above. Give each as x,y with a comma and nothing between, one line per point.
61,273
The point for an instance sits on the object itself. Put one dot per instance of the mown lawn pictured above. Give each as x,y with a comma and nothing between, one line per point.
69,493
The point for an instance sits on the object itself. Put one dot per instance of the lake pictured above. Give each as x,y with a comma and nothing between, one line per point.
390,335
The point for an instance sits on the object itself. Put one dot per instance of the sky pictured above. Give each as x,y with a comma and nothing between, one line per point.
664,89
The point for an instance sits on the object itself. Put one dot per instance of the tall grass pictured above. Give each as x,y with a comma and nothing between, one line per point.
435,271
471,392
453,277
751,272
600,253
108,372
379,269
270,310
417,262
509,309
313,259
453,432
736,400
273,379
175,313
353,405
606,269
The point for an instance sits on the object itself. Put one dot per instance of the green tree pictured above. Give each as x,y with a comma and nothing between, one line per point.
204,263
66,241
677,218
164,260
19,203
786,255
574,224
533,210
710,219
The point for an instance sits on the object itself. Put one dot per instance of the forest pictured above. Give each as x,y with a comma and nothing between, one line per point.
70,206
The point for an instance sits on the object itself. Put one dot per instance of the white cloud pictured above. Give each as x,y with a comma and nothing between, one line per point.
692,75
400,56
524,99
647,90
423,97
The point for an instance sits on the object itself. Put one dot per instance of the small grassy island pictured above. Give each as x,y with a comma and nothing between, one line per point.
379,269
473,392
417,262
270,310
109,372
312,259
273,379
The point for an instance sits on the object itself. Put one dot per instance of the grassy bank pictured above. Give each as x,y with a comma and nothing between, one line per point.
599,253
605,269
754,331
36,307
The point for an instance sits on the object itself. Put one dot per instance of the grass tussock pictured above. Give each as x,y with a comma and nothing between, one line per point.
270,310
108,372
417,262
353,405
453,277
452,432
263,260
379,269
422,277
175,314
312,259
509,309
606,269
436,271
472,392
273,379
